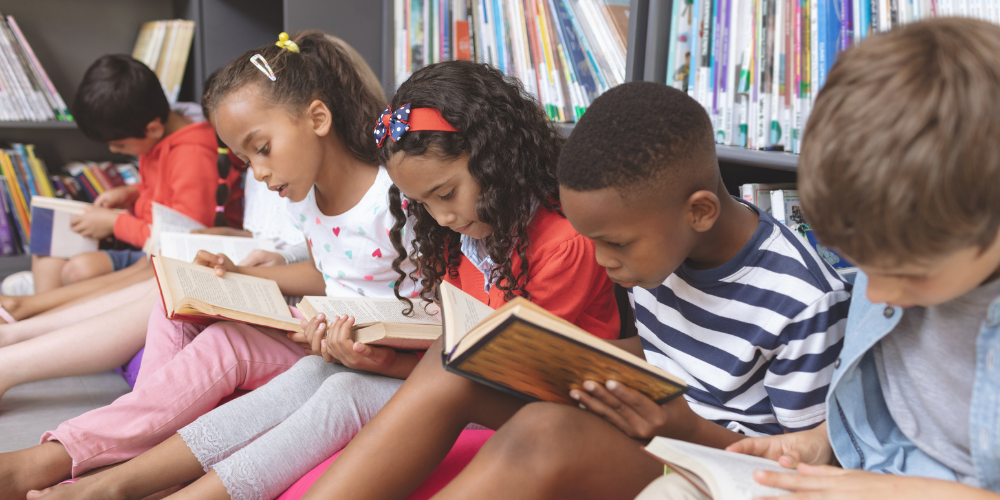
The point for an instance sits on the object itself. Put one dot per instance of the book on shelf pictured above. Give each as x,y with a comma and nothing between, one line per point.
380,321
564,52
194,294
718,474
164,46
781,201
26,92
185,246
757,66
527,351
51,234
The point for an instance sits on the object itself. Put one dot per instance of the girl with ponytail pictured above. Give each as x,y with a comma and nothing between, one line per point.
300,113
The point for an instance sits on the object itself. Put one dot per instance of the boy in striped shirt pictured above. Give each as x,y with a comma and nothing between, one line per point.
724,297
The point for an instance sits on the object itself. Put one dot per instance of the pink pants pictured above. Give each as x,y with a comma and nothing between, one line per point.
186,370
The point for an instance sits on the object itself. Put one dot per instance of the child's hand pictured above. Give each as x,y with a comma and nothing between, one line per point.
220,262
119,197
311,338
303,338
810,447
825,482
96,223
340,348
635,414
263,258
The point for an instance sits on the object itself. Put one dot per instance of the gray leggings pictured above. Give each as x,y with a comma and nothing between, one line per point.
263,442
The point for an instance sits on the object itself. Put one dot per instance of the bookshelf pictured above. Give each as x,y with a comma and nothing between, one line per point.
67,35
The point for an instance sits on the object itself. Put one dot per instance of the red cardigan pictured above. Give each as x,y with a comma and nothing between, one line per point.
180,173
564,277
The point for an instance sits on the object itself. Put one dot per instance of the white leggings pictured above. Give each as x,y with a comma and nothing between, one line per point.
261,443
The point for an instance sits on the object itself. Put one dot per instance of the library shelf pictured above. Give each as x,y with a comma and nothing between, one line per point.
776,160
52,124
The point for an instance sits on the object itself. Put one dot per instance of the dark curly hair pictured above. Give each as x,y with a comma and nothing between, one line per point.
513,150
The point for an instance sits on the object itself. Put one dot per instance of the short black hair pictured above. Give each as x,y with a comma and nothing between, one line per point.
636,136
117,98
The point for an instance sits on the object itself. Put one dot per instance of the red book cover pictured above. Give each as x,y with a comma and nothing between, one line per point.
463,49
98,173
114,177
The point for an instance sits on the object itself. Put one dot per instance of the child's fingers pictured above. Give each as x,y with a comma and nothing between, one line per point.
634,399
326,352
317,338
588,402
380,355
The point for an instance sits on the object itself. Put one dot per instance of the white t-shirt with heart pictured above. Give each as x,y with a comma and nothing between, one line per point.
353,250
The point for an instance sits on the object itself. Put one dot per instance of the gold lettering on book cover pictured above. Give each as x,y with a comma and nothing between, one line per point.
545,366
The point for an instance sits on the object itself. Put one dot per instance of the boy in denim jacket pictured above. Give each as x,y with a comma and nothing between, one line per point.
900,171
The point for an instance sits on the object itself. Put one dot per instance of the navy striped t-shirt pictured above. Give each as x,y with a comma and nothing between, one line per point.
756,338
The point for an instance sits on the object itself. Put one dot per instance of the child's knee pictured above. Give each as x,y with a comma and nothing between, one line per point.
536,435
84,266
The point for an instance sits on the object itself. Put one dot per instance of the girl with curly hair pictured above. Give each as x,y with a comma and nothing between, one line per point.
482,193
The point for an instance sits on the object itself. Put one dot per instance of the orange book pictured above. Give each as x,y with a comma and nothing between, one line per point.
20,204
463,48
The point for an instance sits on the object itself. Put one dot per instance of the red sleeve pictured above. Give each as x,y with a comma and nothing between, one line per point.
193,179
131,230
569,283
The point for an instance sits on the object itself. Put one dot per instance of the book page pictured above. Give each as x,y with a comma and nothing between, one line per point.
166,219
238,292
374,310
185,246
463,312
729,475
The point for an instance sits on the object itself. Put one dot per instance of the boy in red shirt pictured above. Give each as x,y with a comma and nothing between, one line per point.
120,102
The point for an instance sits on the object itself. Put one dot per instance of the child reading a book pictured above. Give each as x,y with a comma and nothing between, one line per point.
306,133
899,172
725,298
469,135
120,102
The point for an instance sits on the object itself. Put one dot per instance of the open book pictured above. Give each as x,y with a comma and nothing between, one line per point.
721,475
167,220
185,246
380,321
527,351
50,228
195,294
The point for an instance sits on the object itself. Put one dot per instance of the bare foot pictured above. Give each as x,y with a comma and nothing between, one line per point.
11,304
33,468
91,487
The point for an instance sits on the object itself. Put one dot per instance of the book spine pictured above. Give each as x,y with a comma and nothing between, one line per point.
39,170
7,242
59,104
29,82
18,199
13,217
88,173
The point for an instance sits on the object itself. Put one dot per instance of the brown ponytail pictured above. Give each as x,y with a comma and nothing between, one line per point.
325,68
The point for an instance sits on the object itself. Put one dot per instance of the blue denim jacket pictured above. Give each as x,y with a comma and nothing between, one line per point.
864,435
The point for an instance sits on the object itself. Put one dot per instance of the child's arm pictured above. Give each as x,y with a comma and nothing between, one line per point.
301,278
825,482
641,418
118,197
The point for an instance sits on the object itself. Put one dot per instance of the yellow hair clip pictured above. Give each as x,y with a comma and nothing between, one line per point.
285,43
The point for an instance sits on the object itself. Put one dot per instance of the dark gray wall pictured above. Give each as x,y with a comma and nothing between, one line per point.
67,35
226,29
357,22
